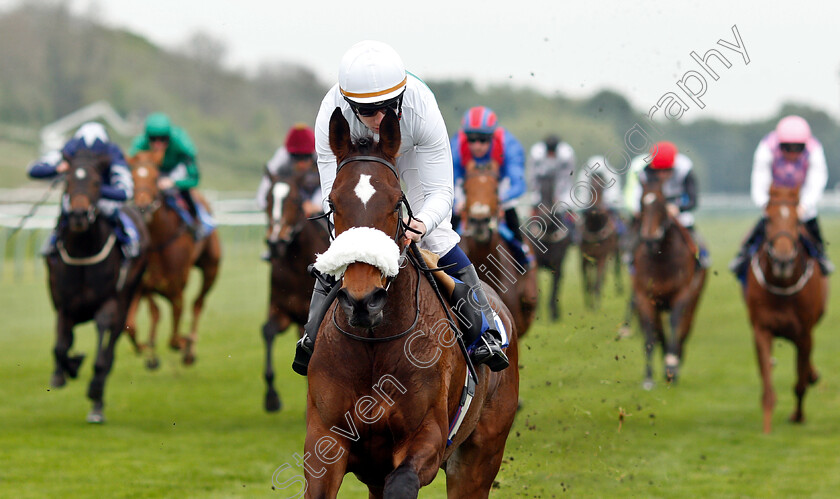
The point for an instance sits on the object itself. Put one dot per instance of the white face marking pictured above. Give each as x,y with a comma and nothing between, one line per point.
142,172
785,211
80,173
364,190
480,210
649,198
279,192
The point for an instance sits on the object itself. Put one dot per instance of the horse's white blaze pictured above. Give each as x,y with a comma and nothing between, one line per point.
480,210
142,172
649,198
785,211
80,173
364,190
279,192
672,360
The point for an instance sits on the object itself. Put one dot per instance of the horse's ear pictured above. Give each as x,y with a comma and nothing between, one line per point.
389,135
340,141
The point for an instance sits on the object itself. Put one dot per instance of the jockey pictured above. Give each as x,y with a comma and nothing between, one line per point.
372,81
297,155
679,186
552,165
481,141
117,184
178,171
792,157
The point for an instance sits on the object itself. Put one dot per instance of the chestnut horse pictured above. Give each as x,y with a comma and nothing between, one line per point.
386,379
667,278
599,242
293,242
172,253
786,295
88,277
485,247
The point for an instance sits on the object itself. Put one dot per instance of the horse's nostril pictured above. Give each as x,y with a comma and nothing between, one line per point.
377,300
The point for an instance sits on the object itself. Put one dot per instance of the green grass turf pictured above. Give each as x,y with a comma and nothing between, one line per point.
201,431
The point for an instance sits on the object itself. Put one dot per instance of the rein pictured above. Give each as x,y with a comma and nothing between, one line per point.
786,291
89,260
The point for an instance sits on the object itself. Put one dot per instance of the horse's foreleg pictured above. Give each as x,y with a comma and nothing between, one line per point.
599,281
152,361
131,321
275,324
764,351
619,285
63,343
422,459
324,459
673,344
585,280
176,341
804,371
647,321
107,319
208,274
556,277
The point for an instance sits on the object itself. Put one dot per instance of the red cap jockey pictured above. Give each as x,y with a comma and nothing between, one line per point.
664,154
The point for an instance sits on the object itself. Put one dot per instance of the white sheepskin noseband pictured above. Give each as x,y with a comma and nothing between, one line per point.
360,244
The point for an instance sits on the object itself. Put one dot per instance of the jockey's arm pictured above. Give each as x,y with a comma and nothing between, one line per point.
513,169
814,185
47,166
120,184
185,175
688,200
762,175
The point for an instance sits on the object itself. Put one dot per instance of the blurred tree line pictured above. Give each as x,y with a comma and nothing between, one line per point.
53,62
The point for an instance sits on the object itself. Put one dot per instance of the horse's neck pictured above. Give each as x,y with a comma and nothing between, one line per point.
90,241
165,223
480,252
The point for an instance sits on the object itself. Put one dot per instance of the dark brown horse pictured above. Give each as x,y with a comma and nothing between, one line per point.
786,295
88,279
387,377
173,252
481,241
293,242
666,278
599,243
551,232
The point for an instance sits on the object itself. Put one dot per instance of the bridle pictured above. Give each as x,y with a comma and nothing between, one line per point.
401,229
781,264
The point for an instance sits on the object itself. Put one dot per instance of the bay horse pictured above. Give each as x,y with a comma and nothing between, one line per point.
786,296
599,243
386,379
88,277
667,278
293,242
173,252
485,247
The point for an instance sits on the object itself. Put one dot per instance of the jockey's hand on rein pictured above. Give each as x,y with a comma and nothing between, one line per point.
165,183
416,225
673,209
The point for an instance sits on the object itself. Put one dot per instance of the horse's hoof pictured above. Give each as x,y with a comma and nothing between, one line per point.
73,364
815,376
797,417
625,331
177,343
648,384
58,380
152,364
189,359
96,416
272,402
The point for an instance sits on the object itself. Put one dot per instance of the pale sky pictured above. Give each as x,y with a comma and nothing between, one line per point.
640,48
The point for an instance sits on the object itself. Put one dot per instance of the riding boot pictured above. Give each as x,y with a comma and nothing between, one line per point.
704,260
129,238
813,228
738,265
484,348
323,295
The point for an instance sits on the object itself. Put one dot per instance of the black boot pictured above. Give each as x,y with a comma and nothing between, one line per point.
738,265
323,295
488,350
822,258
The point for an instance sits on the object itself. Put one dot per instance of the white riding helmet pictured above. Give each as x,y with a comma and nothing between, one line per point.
90,132
371,72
